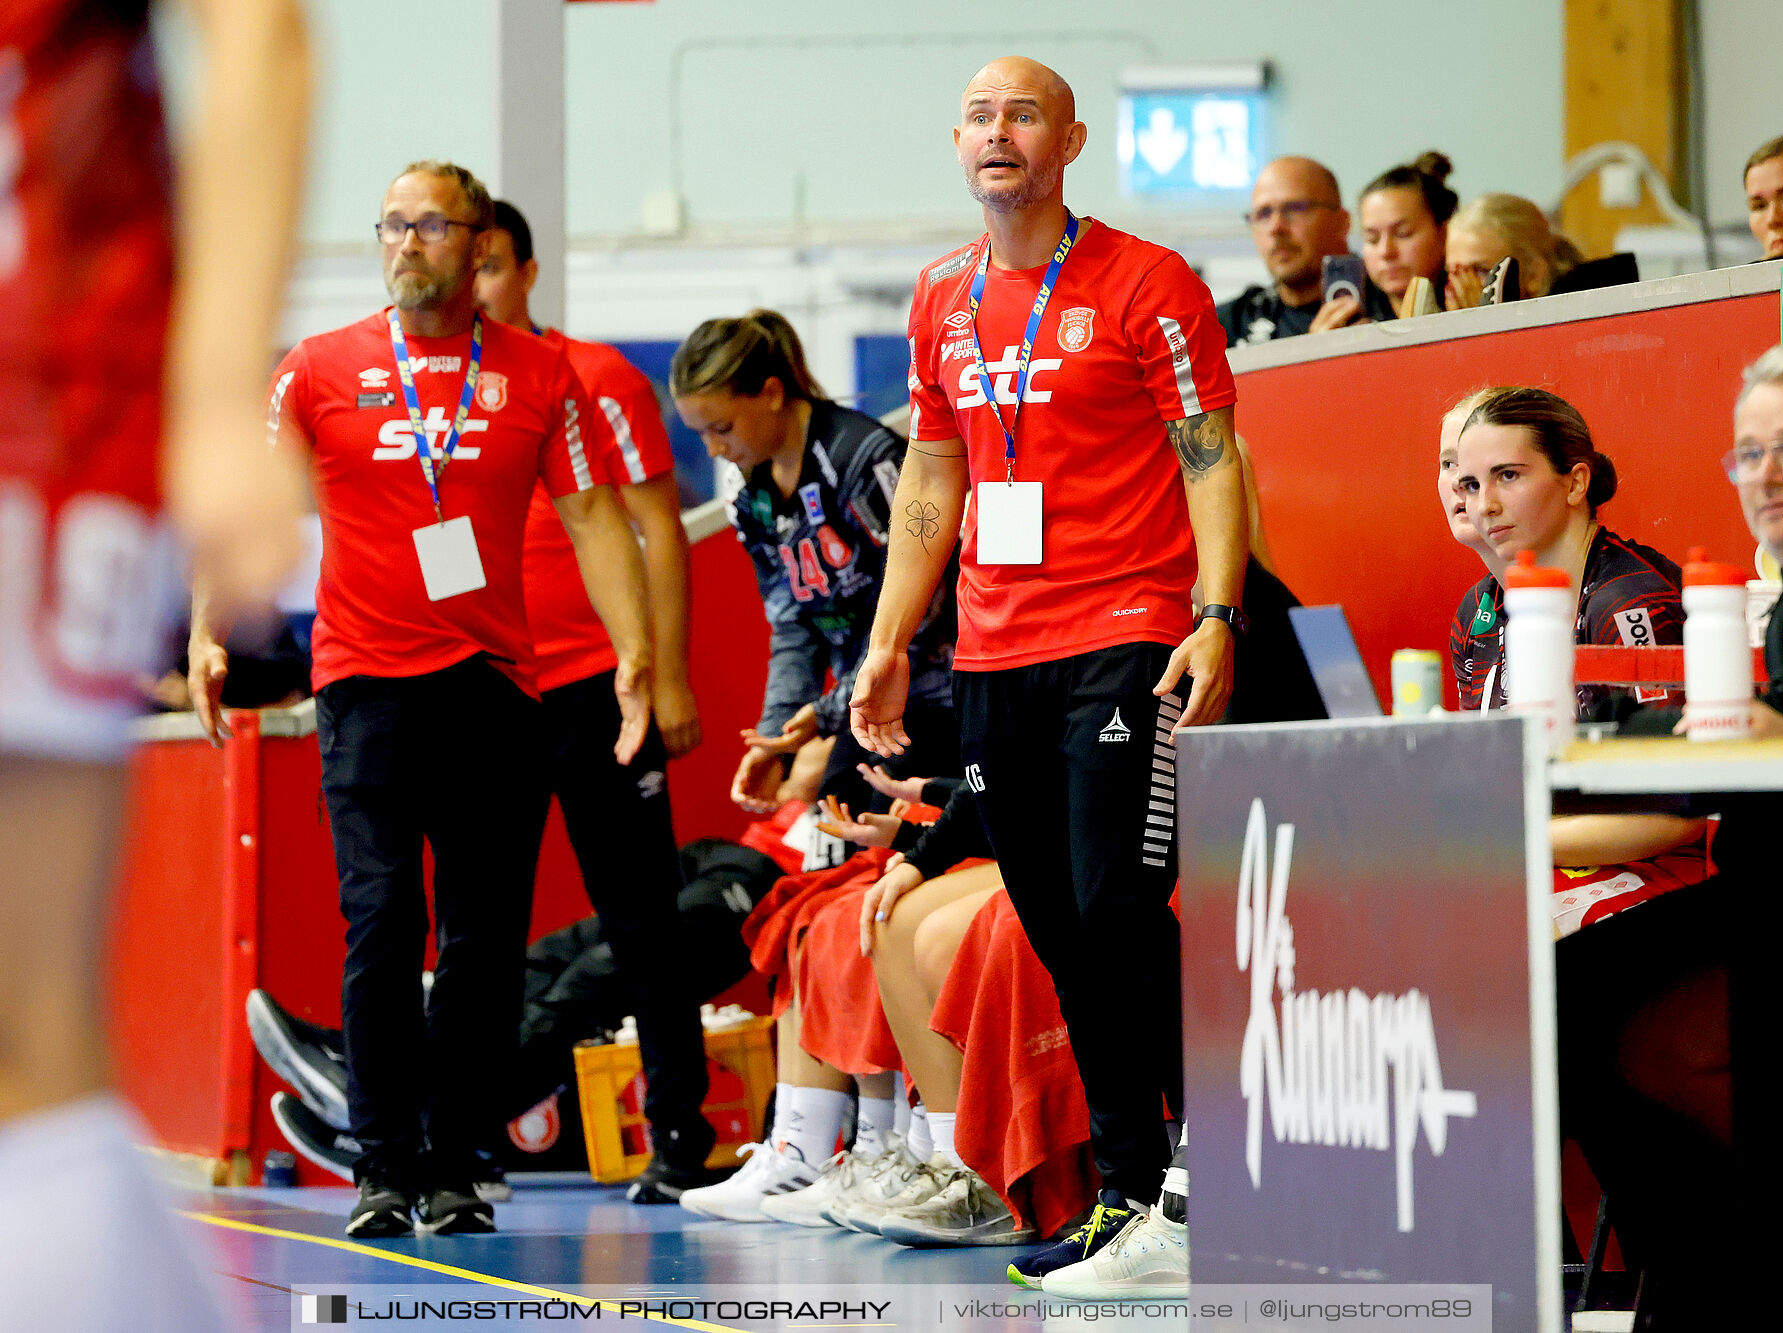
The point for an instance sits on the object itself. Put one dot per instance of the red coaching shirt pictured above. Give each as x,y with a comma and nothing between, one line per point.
1129,341
339,391
568,637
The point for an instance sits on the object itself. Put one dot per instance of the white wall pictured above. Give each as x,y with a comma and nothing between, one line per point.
773,114
827,116
1742,42
808,139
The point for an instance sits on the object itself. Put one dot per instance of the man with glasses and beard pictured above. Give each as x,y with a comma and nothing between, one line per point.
427,427
1297,217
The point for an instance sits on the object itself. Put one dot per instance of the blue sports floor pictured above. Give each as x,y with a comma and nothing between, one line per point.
565,1242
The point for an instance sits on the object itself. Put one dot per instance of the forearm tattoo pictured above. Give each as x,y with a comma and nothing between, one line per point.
1198,442
923,521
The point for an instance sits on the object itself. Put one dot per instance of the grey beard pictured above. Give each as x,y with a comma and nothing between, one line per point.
413,291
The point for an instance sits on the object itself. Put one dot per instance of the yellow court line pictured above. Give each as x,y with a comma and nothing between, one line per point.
414,1261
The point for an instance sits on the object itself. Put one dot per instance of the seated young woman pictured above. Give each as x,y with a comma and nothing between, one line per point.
1519,471
1642,993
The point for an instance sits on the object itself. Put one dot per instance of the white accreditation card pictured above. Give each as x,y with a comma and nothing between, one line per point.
1008,522
449,560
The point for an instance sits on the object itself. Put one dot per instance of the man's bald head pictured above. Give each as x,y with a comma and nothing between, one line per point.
1309,179
1018,72
1297,218
1018,132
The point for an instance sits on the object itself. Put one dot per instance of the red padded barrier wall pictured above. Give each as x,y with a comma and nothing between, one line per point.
1345,453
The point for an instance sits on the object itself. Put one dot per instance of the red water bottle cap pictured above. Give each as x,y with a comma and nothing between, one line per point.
1527,574
1701,572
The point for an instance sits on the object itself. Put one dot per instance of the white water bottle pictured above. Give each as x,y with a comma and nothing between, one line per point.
1539,607
1717,657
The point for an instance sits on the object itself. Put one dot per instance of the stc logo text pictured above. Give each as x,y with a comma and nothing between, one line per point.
396,440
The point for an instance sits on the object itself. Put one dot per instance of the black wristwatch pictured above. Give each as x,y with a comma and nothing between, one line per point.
1236,619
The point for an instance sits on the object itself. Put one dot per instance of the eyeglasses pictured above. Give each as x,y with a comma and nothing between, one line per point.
1746,462
430,229
1292,211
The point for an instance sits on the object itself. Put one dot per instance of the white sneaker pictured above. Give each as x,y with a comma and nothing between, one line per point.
806,1207
1148,1259
876,1180
965,1211
904,1185
739,1199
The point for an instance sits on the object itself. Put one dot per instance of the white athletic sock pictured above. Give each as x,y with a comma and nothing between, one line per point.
918,1143
900,1106
941,1131
872,1123
75,1202
807,1121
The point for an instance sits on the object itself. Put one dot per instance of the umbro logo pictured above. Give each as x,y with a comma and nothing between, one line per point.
957,320
1116,730
374,378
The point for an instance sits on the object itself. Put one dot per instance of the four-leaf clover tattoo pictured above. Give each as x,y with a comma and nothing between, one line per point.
924,521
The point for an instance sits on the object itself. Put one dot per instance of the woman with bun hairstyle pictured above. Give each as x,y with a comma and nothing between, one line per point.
1405,214
1641,942
1530,478
1493,227
809,486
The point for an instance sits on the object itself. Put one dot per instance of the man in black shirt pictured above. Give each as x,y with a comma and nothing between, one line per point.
1297,217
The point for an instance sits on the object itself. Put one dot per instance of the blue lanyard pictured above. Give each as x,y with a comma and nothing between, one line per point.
1027,352
431,471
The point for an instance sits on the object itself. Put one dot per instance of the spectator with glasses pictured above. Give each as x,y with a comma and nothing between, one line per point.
1755,467
1297,217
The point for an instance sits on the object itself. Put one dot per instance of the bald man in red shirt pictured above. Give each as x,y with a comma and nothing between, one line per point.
1071,407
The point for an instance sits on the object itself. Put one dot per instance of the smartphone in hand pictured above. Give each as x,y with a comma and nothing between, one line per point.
1343,275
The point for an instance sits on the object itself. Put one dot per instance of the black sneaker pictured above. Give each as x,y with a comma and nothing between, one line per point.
451,1211
664,1182
492,1180
678,1163
381,1212
305,1055
1110,1215
331,1149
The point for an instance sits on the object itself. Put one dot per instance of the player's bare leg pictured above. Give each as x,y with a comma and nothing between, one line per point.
58,823
908,998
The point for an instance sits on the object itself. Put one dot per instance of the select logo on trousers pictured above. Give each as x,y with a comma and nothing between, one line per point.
323,1309
1116,730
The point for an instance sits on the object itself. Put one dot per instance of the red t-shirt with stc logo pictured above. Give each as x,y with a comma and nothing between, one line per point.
568,637
1129,341
339,393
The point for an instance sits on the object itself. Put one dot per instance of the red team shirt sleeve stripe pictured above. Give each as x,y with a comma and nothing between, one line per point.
629,405
566,466
1182,348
